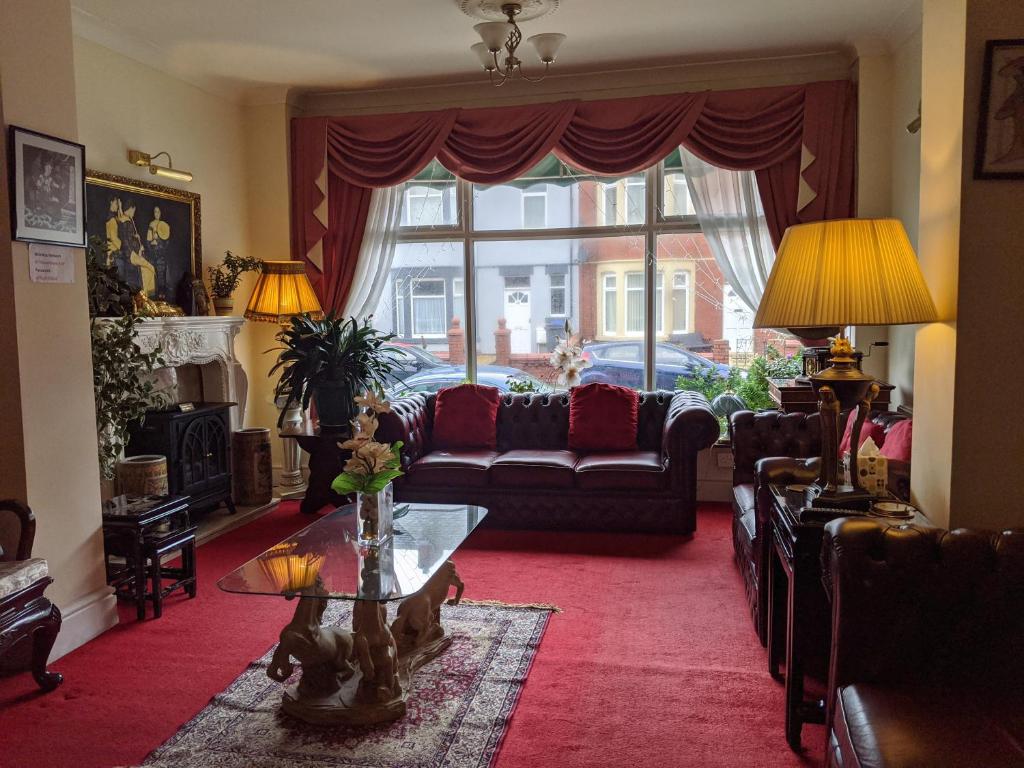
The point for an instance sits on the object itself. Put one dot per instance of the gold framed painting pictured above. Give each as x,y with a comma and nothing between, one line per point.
152,233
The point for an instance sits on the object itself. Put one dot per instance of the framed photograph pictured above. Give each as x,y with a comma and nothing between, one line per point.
47,189
152,232
1000,148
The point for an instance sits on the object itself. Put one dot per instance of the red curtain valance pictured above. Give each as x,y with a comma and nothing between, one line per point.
799,139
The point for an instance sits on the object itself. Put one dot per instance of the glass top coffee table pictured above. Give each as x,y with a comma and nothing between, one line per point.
360,677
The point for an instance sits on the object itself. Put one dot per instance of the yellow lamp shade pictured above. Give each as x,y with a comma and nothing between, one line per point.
283,291
845,272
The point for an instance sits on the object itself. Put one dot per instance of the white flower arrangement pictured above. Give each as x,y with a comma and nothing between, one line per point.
372,465
568,359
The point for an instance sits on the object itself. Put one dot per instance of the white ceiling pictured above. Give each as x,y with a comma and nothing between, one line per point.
243,49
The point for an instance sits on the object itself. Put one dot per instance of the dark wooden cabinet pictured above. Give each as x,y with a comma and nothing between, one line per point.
197,445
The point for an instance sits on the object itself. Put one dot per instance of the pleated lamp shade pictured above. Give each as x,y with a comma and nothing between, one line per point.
845,272
283,291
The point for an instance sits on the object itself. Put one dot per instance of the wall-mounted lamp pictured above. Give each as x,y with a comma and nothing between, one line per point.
915,125
141,159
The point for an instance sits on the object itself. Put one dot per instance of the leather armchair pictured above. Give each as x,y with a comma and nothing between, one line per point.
927,657
768,447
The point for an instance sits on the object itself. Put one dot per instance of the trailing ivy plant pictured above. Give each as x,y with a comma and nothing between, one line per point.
122,387
225,277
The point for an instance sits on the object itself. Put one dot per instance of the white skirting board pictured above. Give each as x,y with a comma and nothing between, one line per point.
86,618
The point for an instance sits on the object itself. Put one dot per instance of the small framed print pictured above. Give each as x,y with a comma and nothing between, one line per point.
47,189
1000,150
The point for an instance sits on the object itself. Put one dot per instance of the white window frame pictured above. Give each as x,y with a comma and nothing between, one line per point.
633,182
606,278
413,283
428,191
458,292
655,225
562,287
626,290
608,215
534,193
399,308
687,281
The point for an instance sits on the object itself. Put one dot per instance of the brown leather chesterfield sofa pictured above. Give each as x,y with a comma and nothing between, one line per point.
771,447
533,480
927,658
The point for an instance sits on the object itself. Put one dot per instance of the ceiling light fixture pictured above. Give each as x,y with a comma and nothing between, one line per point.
499,36
141,159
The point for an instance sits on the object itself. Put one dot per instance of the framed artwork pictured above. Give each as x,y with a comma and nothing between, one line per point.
1000,148
152,232
47,189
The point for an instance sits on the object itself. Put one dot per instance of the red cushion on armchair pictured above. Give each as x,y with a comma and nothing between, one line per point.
898,440
869,429
603,417
466,416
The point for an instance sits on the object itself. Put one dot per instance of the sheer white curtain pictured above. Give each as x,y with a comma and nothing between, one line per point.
729,210
377,251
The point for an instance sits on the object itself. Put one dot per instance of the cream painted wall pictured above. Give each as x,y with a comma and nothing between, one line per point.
905,154
123,104
59,471
942,95
988,434
874,118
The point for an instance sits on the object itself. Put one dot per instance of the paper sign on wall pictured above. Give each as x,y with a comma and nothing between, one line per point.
51,263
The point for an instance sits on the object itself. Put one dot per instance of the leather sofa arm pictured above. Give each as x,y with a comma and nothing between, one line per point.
690,426
410,420
779,470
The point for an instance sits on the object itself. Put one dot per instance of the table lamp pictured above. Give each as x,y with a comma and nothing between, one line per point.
829,275
282,292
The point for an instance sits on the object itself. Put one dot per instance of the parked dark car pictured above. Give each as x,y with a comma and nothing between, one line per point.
622,362
437,378
420,371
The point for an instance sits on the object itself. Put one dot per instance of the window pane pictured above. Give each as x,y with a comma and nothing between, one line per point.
430,199
634,302
557,197
423,305
676,196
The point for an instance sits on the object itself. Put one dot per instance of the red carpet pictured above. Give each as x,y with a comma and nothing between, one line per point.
653,662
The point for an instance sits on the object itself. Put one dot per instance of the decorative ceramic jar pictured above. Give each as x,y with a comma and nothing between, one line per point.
143,475
375,516
251,468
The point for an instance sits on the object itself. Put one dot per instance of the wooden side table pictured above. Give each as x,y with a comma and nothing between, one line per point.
326,460
799,614
127,532
792,396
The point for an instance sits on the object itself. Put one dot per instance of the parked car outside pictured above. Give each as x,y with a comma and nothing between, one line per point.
622,362
438,378
421,371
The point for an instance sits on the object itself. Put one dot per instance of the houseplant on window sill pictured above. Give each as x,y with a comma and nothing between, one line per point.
369,471
329,362
225,277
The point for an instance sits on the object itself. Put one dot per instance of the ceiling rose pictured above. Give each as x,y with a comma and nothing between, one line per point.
491,10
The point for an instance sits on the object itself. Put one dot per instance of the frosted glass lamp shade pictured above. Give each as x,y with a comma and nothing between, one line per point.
283,291
547,45
494,34
845,272
485,56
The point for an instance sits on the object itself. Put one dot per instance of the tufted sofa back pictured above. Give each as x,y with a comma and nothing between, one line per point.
925,604
525,421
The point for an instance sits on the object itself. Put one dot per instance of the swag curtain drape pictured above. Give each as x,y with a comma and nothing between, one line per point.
799,140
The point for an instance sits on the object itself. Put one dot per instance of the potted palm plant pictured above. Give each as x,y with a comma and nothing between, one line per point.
331,361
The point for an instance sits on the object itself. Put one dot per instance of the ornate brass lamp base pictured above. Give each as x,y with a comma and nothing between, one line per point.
841,386
361,677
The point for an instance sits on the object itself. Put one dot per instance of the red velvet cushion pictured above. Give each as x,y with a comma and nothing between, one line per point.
897,441
603,417
466,416
868,429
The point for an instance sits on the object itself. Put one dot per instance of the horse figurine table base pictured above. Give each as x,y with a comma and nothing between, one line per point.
362,677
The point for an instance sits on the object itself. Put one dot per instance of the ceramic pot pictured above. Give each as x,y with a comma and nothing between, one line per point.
143,475
223,306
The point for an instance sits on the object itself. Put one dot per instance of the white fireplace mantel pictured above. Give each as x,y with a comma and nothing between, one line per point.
204,341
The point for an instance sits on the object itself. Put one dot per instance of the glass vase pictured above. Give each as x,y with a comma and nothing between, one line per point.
375,516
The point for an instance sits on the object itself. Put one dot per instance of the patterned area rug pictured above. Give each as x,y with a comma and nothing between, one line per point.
458,707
